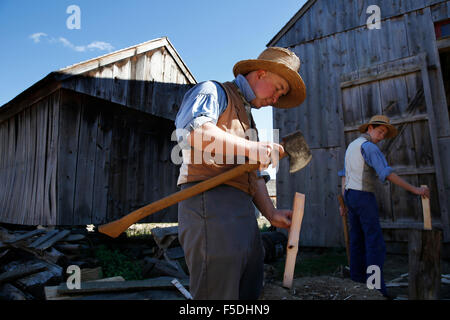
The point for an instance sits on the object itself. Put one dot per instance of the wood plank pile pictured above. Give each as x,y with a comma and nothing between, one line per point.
39,265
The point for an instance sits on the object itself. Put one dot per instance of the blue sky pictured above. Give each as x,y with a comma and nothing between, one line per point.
210,36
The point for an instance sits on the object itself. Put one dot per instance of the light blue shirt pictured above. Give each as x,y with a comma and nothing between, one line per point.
374,158
205,102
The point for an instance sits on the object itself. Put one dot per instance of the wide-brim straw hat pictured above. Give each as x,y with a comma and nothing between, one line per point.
380,120
284,63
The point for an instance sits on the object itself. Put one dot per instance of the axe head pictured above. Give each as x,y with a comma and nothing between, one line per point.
296,147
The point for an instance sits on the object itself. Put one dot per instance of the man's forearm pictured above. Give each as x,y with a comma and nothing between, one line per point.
211,137
394,178
262,200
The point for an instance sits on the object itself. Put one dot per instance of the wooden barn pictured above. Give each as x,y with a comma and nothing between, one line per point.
352,72
91,142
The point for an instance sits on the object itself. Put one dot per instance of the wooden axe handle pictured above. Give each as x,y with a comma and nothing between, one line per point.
344,224
115,228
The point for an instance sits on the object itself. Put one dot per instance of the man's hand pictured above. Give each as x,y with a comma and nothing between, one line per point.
280,218
343,211
422,191
266,153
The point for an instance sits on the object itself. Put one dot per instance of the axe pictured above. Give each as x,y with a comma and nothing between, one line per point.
294,146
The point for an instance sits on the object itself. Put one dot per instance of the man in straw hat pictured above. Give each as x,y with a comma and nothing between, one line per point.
363,162
217,229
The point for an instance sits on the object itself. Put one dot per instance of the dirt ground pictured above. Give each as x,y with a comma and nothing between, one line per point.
336,284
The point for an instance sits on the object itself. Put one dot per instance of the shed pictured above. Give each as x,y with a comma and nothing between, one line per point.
91,142
353,72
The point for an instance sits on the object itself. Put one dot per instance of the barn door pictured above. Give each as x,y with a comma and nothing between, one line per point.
399,90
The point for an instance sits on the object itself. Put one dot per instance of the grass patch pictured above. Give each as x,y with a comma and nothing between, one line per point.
324,263
144,230
116,263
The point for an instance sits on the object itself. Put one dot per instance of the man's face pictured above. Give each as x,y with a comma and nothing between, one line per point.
268,88
377,134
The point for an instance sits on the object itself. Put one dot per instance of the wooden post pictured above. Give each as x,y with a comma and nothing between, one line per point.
294,234
426,212
424,250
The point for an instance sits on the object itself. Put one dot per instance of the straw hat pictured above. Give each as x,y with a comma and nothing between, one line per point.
284,63
381,120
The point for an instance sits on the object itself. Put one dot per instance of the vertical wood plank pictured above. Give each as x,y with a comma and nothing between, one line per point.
53,161
69,127
102,165
87,144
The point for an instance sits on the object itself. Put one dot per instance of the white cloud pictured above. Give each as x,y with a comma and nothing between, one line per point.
37,36
100,45
96,45
65,42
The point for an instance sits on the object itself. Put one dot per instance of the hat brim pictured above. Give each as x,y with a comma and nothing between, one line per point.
297,92
392,131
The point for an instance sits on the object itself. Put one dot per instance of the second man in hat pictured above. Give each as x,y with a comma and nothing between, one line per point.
363,163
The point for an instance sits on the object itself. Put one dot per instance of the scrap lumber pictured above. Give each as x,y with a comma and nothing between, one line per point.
21,271
161,267
59,236
10,292
396,284
43,238
74,237
294,234
51,292
176,265
24,236
165,236
117,286
71,247
174,253
4,253
91,274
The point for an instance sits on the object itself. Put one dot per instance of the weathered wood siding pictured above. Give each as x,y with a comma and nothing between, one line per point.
148,82
28,164
91,143
111,161
332,41
72,159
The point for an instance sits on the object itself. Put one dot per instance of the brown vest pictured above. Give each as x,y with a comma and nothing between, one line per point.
233,120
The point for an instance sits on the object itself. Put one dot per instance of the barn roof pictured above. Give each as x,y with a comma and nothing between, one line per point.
59,78
125,53
291,22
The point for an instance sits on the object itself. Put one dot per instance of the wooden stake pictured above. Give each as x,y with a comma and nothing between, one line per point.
426,212
294,234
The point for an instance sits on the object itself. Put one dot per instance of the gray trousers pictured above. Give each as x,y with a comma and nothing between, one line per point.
222,244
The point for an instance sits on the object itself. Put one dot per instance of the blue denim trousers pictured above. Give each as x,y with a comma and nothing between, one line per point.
367,245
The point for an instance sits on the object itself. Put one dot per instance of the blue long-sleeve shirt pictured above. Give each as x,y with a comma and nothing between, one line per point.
205,102
374,158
